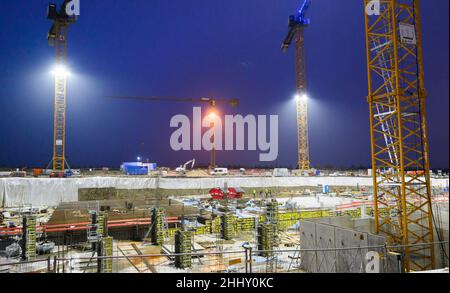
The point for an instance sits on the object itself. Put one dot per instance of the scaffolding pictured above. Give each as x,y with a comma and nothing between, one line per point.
98,227
272,217
272,212
183,249
29,237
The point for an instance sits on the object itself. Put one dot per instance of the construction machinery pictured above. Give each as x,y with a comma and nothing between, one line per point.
398,128
213,102
297,23
57,37
182,169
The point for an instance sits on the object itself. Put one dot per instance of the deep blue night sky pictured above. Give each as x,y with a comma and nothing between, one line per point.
197,48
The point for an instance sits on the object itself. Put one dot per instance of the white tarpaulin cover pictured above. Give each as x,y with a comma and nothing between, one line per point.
52,191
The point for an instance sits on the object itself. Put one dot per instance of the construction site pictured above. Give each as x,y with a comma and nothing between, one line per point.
145,218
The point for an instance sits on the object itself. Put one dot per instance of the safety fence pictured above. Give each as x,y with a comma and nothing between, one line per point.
369,259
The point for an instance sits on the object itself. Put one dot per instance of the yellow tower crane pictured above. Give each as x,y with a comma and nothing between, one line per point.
57,37
297,23
399,140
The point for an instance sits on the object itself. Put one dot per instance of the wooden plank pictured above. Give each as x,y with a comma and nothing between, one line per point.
234,261
137,269
147,264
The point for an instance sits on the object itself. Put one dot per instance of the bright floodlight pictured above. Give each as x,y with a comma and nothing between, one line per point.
301,98
60,71
138,158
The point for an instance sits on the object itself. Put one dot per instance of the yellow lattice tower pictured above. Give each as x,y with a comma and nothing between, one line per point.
399,138
301,101
57,37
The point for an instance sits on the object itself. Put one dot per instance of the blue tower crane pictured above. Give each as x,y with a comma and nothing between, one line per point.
296,22
296,25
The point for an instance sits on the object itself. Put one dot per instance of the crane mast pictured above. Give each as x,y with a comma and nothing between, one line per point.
399,140
301,102
297,23
57,37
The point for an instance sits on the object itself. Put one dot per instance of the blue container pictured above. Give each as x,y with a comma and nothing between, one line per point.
135,168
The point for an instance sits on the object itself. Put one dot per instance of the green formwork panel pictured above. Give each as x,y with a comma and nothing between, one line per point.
102,222
30,234
157,232
107,250
227,227
272,212
244,224
266,238
216,225
183,244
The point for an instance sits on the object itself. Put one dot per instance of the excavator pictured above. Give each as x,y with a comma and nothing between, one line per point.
182,169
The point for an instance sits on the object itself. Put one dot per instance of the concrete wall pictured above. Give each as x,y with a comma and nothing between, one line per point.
441,216
320,234
52,191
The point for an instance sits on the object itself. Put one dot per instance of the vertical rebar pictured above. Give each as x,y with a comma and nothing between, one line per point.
251,259
54,263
